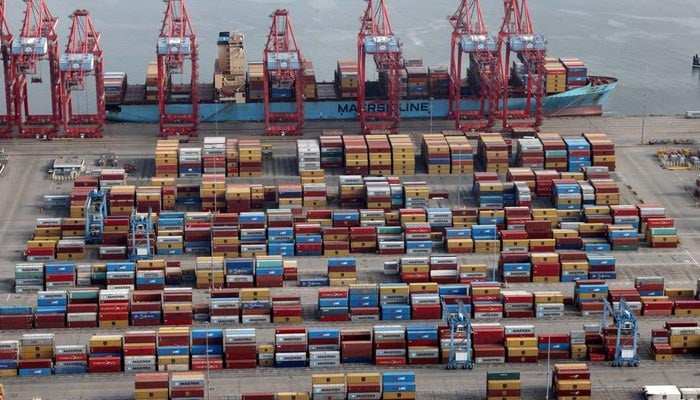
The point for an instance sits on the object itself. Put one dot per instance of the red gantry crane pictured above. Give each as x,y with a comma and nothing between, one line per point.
470,37
37,41
517,36
7,120
282,78
83,57
177,43
377,39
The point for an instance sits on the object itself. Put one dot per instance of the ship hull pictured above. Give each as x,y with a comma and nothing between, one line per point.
584,101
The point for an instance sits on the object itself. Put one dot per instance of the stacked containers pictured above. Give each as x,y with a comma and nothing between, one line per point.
399,385
356,157
225,307
29,277
555,76
436,152
36,354
571,380
503,385
331,148
328,387
280,241
238,197
438,81
231,154
418,238
394,300
518,304
139,350
351,191
601,266
602,149
488,190
209,272
579,153
70,249
213,192
364,302
443,269
555,155
187,385
379,152
239,272
214,155
169,237
308,239
177,306
549,305
290,195
309,80
378,198
461,155
255,305
684,337
553,345
414,269
114,308
256,89
458,240
576,72
589,295
492,153
485,239
425,301
417,87
51,310
488,342
574,265
105,353
324,347
364,385
566,194
333,304
152,81
363,239
207,347
115,87
121,275
190,162
269,271
173,348
166,157
9,356
403,155
515,266
342,271
291,347
545,267
152,385
356,345
346,79
252,226
240,349
250,158
42,246
486,300
416,194
389,345
423,344
529,154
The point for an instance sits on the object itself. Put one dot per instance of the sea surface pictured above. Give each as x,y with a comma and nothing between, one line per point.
648,45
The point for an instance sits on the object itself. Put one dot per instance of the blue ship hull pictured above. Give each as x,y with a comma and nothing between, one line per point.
586,100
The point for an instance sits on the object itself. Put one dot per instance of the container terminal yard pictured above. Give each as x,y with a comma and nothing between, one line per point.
640,176
622,315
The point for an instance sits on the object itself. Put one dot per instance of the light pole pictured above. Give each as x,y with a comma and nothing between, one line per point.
549,350
431,114
207,360
644,114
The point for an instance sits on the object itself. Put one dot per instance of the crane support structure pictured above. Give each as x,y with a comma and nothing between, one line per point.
377,39
459,323
518,37
283,70
7,122
83,57
626,333
471,38
95,213
176,44
142,236
37,41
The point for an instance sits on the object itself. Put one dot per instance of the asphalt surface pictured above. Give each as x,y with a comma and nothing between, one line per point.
640,177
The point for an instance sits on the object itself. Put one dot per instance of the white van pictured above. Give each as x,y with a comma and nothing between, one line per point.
692,114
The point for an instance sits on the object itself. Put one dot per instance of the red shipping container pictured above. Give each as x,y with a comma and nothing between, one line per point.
363,387
258,396
389,361
489,350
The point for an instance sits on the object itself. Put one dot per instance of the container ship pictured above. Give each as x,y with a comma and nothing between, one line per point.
236,92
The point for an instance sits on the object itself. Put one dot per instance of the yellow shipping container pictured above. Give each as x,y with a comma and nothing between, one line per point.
327,379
